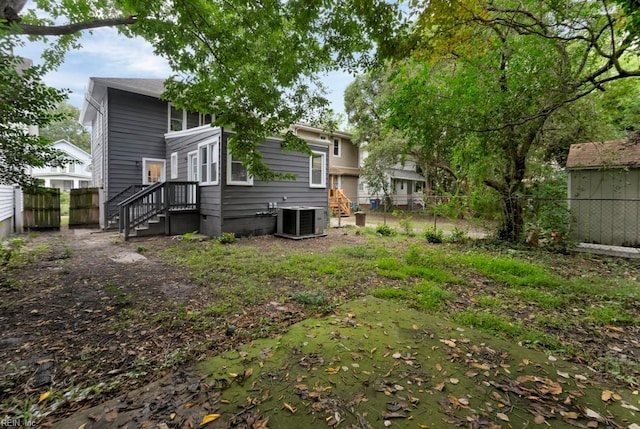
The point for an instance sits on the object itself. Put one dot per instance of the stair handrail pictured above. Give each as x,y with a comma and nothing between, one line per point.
142,211
134,211
111,208
341,199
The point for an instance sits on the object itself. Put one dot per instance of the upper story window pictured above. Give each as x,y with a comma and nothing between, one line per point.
318,170
205,119
337,146
237,172
208,161
177,118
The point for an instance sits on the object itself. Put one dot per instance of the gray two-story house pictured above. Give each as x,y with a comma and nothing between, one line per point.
163,169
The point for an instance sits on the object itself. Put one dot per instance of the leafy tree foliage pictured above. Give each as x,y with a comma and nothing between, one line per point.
364,104
489,79
68,128
254,65
25,102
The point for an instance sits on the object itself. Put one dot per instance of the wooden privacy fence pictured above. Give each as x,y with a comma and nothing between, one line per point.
41,208
84,207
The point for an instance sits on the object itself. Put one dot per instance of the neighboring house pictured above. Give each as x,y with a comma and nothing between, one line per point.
165,165
71,176
11,195
406,187
10,210
604,192
344,169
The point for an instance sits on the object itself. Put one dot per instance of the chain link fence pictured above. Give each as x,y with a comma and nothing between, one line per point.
610,221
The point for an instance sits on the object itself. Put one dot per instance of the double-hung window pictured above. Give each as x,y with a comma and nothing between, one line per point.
208,161
337,143
237,172
192,166
177,118
318,170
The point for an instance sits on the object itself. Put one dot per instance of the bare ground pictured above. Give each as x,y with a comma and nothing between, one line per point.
78,318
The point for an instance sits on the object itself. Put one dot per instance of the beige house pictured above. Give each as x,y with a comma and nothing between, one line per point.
344,168
604,192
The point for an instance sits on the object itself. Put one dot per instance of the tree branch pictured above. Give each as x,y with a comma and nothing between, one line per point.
63,30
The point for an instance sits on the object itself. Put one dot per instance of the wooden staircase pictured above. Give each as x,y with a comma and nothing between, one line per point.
339,204
148,211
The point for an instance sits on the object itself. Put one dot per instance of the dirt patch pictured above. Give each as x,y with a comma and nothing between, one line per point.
93,317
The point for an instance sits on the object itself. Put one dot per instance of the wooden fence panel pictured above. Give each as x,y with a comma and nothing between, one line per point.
84,207
41,208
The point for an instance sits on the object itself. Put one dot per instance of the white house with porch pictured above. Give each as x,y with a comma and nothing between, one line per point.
405,184
71,176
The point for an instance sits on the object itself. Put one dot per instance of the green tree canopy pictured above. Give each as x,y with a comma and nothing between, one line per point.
68,128
254,65
25,103
488,78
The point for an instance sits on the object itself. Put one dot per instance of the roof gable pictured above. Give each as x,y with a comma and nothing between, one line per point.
72,150
613,153
97,89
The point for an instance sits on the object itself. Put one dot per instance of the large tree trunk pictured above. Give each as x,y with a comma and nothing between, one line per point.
513,220
511,191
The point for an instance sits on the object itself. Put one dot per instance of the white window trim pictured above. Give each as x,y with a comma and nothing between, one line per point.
333,142
163,170
184,119
193,153
174,165
230,181
323,176
216,141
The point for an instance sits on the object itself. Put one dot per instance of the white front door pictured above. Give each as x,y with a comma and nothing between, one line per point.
153,171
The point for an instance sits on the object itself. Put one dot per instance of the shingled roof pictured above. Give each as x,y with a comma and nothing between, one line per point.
613,153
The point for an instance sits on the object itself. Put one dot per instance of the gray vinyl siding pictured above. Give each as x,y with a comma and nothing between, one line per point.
243,207
183,145
210,208
137,124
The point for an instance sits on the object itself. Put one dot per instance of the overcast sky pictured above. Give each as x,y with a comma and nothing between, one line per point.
105,53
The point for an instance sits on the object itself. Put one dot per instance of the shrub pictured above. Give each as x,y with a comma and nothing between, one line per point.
385,231
434,235
457,236
407,225
227,238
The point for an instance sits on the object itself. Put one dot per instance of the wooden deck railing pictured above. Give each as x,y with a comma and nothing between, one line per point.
157,199
339,203
111,205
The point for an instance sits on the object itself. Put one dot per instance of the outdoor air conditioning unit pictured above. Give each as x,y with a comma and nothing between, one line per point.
301,222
